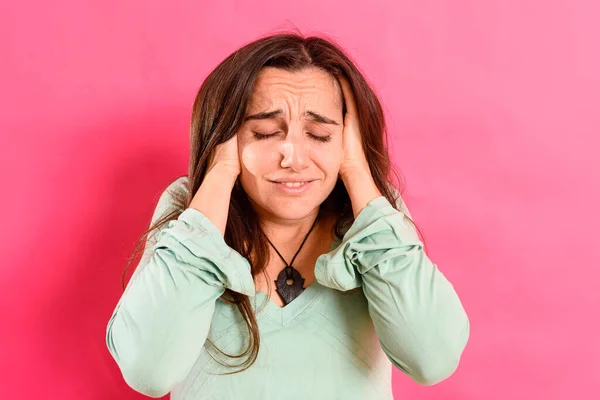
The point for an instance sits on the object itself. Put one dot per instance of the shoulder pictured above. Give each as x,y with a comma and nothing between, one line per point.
179,184
167,202
399,203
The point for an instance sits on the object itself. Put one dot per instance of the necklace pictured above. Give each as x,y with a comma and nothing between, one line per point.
290,282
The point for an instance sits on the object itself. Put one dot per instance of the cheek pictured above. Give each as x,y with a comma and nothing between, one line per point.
329,158
250,158
258,158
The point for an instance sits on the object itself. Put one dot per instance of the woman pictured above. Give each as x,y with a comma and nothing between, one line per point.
286,247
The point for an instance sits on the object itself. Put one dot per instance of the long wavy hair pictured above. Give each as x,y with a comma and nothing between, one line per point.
217,115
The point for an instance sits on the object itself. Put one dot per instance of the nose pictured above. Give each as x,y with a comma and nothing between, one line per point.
295,154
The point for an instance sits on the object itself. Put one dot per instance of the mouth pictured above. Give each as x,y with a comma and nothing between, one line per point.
293,187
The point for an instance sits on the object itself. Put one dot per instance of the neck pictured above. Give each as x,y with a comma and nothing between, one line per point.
287,231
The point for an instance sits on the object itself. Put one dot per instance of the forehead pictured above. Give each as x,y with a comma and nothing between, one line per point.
310,86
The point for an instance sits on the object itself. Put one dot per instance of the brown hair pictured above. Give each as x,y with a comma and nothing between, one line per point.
217,115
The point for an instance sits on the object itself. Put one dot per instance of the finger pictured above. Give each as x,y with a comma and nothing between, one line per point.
348,96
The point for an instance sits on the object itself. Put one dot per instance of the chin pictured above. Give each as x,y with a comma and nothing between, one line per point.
290,209
285,206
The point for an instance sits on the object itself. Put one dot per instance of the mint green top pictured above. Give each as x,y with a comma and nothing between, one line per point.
325,344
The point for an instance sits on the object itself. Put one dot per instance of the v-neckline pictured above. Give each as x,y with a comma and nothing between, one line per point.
282,316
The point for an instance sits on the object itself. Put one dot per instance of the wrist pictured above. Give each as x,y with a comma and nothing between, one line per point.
354,173
361,189
222,174
214,194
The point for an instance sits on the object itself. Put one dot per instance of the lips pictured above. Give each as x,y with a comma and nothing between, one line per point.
292,184
293,187
281,180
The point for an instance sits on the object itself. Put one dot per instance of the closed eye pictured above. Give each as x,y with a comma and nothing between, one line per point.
320,138
261,136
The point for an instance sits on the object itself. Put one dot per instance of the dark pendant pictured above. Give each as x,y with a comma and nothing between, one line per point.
289,284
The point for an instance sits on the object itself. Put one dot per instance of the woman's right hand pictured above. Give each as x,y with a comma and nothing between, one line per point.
214,194
226,157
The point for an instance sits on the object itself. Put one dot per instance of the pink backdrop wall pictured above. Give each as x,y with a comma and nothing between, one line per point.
494,109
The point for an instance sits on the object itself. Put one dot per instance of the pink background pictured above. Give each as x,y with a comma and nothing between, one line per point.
494,109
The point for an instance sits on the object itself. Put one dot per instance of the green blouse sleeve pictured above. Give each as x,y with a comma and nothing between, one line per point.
160,323
420,322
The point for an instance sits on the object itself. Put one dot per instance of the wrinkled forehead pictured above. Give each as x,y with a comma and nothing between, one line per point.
309,88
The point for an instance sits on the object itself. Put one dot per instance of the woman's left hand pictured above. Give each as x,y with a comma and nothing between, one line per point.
354,160
354,169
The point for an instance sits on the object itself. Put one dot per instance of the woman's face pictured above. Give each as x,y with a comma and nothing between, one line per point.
292,133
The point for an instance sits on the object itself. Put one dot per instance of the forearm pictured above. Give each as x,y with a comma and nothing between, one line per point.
419,319
213,197
417,314
361,189
159,326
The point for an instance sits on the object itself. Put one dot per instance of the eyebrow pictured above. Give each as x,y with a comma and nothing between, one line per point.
277,113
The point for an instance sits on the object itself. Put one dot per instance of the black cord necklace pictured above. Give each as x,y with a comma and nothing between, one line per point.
290,282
